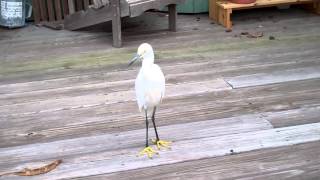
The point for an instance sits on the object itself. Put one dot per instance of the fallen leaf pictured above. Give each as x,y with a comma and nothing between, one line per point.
37,171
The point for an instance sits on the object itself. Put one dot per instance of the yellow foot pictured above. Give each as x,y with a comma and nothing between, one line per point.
149,151
160,144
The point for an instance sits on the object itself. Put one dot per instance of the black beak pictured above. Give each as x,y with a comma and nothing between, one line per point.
134,59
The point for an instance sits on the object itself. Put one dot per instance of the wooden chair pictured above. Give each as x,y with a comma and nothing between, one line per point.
117,9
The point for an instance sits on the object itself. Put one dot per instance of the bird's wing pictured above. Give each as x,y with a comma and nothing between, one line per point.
149,82
140,90
160,79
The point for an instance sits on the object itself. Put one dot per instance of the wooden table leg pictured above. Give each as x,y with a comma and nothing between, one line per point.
228,18
224,18
172,17
214,10
116,23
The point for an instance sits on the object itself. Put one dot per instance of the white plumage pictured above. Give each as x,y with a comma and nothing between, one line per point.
150,89
150,82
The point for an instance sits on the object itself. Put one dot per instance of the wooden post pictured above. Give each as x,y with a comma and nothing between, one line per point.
116,23
36,11
213,10
227,14
172,17
57,5
71,6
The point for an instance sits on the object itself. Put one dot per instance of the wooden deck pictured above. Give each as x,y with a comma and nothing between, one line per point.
235,108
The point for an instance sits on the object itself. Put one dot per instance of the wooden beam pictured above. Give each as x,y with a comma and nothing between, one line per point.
116,23
172,17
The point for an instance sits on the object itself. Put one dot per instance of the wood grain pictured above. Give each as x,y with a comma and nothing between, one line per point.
51,13
275,77
58,10
101,119
129,139
126,159
291,162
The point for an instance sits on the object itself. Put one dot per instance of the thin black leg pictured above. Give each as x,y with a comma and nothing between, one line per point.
147,128
154,123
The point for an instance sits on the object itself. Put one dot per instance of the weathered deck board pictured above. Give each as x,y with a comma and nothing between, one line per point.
126,159
125,116
223,36
293,162
130,139
109,98
184,68
275,77
293,117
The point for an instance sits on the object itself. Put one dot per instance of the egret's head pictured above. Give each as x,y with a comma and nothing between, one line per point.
144,54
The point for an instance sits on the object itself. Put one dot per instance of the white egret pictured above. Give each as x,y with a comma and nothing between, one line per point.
150,88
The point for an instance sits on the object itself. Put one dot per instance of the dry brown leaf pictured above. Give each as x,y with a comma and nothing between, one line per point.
37,171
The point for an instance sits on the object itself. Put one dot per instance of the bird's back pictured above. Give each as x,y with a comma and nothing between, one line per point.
149,87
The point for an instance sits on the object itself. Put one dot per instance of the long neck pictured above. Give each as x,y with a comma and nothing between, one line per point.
148,59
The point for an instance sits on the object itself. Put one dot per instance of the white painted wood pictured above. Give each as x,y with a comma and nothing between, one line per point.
274,77
126,159
91,100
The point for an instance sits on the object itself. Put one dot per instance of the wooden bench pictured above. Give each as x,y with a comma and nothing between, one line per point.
116,9
221,10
